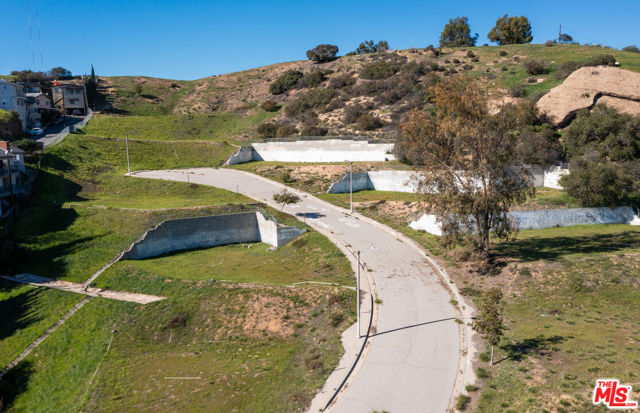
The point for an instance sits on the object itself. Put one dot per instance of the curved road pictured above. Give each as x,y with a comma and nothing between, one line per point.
413,357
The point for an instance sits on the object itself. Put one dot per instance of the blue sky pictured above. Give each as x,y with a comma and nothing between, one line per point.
192,39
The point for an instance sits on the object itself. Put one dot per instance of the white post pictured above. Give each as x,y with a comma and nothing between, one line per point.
358,294
351,187
128,165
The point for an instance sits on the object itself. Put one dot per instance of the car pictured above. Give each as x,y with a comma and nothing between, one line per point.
36,132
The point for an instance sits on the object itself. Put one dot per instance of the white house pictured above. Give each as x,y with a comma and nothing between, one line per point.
12,98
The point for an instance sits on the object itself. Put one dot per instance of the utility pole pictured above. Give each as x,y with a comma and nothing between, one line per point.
128,165
559,33
358,294
351,187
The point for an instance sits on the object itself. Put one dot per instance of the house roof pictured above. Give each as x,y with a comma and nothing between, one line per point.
33,94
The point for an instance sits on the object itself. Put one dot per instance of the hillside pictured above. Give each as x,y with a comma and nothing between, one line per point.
329,98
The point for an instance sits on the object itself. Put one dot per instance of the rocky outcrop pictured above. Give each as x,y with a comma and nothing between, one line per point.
588,86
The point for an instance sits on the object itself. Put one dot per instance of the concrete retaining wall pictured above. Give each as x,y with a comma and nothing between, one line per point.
210,231
549,218
329,150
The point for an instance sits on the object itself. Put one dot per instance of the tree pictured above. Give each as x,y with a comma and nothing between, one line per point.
368,47
565,38
91,85
137,88
598,182
60,72
632,49
322,53
489,322
466,154
287,81
457,33
511,30
285,197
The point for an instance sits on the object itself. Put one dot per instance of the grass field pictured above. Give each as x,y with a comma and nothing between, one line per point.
156,97
277,343
219,127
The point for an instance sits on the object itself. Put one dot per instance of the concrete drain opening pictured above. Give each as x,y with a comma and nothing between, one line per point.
210,231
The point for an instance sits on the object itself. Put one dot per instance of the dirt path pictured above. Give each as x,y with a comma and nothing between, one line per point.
83,289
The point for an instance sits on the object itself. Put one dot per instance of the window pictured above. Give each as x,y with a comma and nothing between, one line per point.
73,101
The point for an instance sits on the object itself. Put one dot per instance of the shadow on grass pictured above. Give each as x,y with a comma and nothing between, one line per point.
554,247
16,312
520,349
14,383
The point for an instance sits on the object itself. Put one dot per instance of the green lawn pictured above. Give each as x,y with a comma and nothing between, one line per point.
219,127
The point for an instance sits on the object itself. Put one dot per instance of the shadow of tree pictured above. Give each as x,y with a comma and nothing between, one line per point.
518,350
553,247
16,312
14,383
312,215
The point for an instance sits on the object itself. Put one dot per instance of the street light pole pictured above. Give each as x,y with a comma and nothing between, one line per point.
358,294
351,187
128,165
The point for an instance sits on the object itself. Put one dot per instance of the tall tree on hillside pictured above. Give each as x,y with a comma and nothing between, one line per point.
60,72
92,88
457,33
322,53
466,155
511,30
489,322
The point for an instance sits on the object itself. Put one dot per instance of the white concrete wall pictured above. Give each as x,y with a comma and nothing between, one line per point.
553,174
398,181
330,150
548,218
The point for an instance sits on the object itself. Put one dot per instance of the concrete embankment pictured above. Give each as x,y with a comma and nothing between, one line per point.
210,231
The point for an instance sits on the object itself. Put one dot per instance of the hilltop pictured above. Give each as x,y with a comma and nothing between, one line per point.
331,98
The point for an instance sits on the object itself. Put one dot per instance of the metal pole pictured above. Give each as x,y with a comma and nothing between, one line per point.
351,187
358,294
128,165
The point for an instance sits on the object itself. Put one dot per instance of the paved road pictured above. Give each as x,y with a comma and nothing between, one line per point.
52,131
413,359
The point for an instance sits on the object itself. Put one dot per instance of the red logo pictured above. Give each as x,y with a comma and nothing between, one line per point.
613,395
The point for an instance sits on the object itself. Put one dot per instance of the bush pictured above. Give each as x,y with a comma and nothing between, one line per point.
314,131
462,402
267,130
341,81
322,53
538,146
534,67
549,43
270,106
314,98
312,79
502,53
517,91
284,131
565,69
137,88
417,68
367,122
632,49
598,182
470,54
482,373
353,112
601,60
27,145
287,81
379,70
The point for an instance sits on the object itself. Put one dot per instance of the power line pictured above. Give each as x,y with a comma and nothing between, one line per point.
39,37
33,57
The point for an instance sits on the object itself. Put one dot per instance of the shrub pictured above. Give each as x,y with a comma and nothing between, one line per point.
462,402
601,60
482,373
137,88
502,53
475,59
314,98
341,81
632,49
285,130
470,54
534,67
27,145
598,182
565,69
322,53
517,91
353,112
287,81
267,130
270,106
416,68
456,61
379,70
367,122
538,146
312,79
532,80
314,131
336,319
549,43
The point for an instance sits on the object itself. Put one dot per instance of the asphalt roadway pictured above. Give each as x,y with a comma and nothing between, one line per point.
413,358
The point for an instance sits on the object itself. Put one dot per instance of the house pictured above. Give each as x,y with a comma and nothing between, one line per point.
70,99
11,170
12,98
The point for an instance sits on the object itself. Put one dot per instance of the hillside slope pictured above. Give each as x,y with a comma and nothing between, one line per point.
329,98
